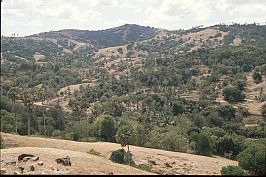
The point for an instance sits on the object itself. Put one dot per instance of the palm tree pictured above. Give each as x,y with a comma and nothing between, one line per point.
27,100
41,96
13,95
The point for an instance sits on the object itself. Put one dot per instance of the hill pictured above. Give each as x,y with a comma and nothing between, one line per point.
83,163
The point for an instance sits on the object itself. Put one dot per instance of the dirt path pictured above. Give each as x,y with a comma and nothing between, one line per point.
181,163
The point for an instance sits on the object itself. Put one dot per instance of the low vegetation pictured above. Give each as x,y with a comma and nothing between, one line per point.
174,98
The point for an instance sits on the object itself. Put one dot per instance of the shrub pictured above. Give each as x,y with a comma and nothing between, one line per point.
2,145
118,156
93,152
253,159
122,157
232,170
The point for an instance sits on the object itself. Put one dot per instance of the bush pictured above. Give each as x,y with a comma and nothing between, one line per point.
233,94
231,170
2,145
253,159
122,157
118,156
93,152
202,144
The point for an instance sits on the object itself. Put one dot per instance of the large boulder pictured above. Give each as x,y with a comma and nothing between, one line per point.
64,161
22,156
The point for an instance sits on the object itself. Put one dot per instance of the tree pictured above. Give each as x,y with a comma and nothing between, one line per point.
105,127
253,159
13,94
27,100
228,145
41,96
263,111
76,107
202,144
177,109
257,76
227,112
233,94
232,170
123,135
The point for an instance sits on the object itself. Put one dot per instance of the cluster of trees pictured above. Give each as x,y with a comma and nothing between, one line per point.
143,107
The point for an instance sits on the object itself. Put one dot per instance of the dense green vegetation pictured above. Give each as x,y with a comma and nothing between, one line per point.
149,105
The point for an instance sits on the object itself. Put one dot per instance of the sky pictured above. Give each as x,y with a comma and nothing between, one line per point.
26,17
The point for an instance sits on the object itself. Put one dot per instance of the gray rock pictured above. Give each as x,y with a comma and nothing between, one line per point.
32,168
40,163
167,165
152,162
16,173
25,159
21,169
3,171
64,161
35,158
21,156
11,163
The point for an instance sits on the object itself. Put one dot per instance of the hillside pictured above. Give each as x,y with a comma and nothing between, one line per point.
199,90
83,163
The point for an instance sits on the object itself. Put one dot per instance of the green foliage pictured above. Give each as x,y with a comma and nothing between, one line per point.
233,94
93,152
105,127
122,157
263,111
2,144
229,144
231,170
124,134
257,76
253,159
202,144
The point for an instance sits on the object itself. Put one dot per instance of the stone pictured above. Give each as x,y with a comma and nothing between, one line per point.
35,158
152,162
25,159
40,163
11,163
16,173
64,161
21,156
167,165
32,168
3,171
21,169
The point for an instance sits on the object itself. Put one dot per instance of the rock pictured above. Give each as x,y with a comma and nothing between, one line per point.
32,168
173,163
152,162
20,157
11,163
16,173
40,163
21,169
167,165
64,161
25,159
3,171
35,158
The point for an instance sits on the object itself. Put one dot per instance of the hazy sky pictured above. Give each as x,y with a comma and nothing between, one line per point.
25,17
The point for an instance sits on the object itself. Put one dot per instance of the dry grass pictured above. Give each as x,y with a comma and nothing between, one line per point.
182,163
